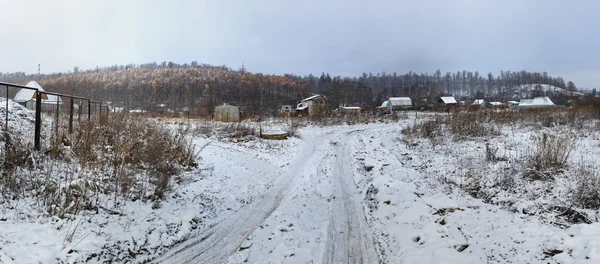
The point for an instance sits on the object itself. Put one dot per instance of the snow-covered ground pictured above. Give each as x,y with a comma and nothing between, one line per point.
335,194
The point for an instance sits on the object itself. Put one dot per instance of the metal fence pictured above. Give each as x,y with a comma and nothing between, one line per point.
55,113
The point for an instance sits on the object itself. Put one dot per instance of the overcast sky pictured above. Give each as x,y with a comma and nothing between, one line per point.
345,37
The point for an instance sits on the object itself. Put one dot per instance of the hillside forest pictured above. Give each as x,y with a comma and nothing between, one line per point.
200,87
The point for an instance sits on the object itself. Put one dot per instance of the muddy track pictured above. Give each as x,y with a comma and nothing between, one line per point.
348,237
218,243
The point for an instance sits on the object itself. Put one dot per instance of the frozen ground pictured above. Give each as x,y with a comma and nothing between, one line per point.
340,194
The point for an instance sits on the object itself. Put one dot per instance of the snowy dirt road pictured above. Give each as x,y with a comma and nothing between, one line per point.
313,213
348,236
359,194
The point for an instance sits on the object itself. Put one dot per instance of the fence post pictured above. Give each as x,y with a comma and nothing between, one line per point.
89,109
6,130
57,113
38,120
71,115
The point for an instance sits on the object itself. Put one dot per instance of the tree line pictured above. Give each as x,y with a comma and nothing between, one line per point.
199,87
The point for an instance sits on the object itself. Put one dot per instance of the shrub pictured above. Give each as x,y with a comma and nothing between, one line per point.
586,192
238,130
427,129
471,124
17,155
122,156
490,153
550,151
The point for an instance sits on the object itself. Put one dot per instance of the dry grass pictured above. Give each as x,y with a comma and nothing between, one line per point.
550,152
465,124
17,155
126,157
586,191
426,129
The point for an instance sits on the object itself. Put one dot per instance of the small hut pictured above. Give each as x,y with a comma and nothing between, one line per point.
447,101
227,113
353,110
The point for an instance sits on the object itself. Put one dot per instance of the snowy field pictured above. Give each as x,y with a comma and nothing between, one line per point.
334,194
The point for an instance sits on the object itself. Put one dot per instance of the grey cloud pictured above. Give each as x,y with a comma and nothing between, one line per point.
302,37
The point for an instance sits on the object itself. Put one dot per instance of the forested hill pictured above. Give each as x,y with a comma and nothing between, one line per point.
177,86
202,86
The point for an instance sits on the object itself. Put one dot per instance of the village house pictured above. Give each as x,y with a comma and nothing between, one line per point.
396,103
447,101
310,106
351,109
537,102
479,102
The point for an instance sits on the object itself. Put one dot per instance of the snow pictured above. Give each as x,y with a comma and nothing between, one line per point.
537,101
25,95
400,101
548,88
336,194
448,100
479,102
313,97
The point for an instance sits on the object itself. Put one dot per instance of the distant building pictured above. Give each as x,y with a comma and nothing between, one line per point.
448,101
351,109
542,101
479,102
27,97
395,103
286,110
227,113
309,106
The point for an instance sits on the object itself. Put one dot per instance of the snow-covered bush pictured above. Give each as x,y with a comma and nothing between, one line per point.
128,158
17,155
426,129
586,192
550,151
471,124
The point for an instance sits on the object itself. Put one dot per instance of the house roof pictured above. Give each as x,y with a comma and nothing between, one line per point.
385,104
448,100
400,101
513,102
538,101
313,97
25,95
479,102
496,103
351,108
226,106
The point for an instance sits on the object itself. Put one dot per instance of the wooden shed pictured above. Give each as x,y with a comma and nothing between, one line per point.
351,109
227,113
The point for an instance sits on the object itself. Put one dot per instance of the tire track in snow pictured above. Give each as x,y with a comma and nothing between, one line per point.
349,239
225,238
